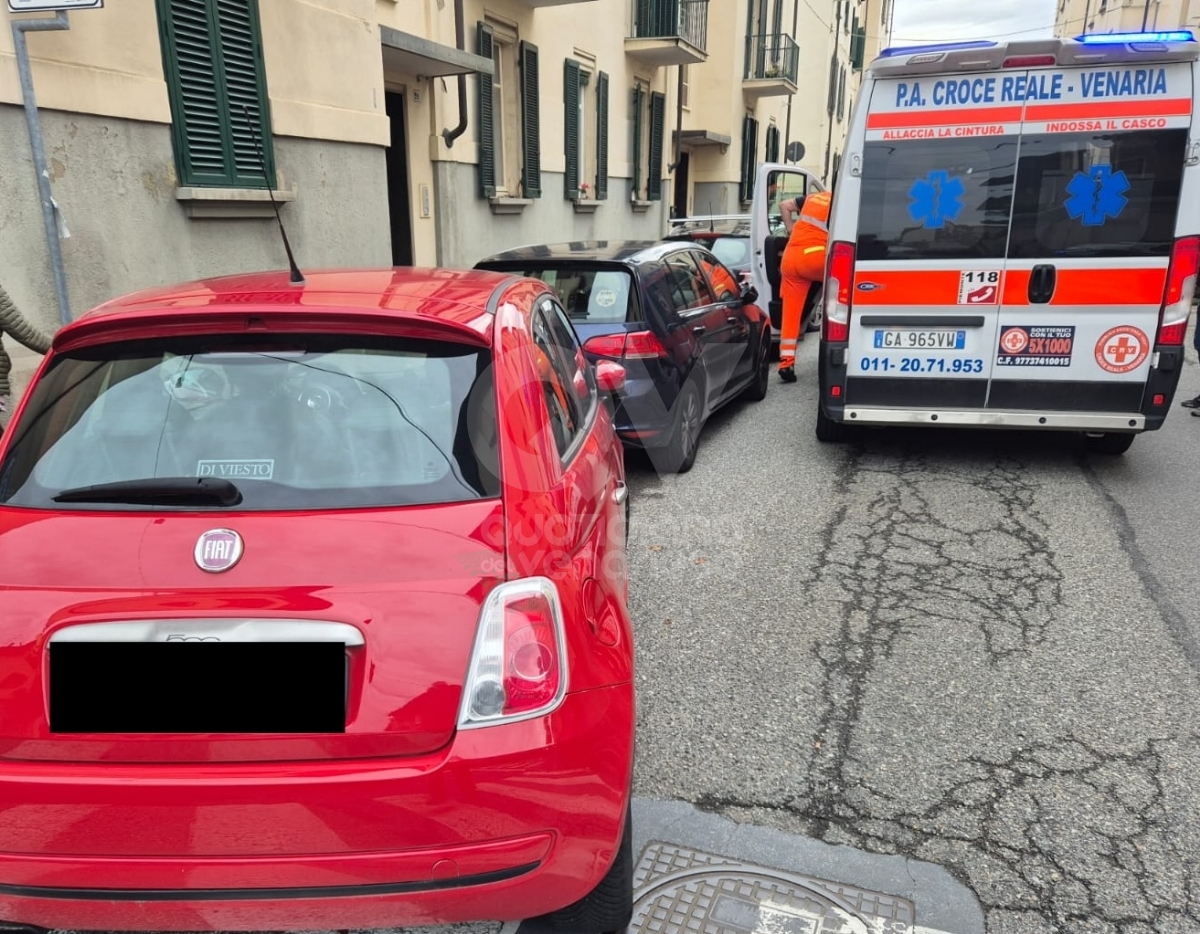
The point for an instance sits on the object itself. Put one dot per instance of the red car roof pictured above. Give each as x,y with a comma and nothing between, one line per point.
457,299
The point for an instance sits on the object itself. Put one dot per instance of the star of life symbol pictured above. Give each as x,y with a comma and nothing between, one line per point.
1096,195
936,199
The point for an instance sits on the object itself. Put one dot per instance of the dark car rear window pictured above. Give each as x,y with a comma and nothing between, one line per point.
1098,194
936,199
590,294
296,422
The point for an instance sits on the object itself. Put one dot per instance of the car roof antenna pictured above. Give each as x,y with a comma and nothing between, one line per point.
297,277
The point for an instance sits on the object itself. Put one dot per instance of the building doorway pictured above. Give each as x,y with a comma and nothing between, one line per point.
399,202
679,207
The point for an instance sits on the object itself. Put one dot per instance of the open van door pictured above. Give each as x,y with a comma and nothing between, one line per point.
775,183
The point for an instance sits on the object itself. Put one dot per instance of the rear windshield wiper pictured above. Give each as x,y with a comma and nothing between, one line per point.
166,491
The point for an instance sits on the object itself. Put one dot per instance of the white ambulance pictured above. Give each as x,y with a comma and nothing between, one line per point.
1014,238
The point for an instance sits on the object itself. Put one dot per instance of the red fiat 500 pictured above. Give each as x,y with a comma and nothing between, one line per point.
314,613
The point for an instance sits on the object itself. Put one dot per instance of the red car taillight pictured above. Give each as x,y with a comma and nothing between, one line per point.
634,345
839,281
518,666
1181,289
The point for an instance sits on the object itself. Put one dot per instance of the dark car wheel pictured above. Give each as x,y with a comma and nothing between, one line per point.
680,453
607,907
757,390
828,430
1111,442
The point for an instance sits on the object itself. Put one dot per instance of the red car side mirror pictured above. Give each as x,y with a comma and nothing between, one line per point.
610,376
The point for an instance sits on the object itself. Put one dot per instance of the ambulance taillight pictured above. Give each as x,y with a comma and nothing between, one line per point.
1181,289
839,283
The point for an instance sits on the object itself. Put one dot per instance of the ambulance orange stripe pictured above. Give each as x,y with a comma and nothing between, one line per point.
907,287
1177,107
887,121
939,288
1092,287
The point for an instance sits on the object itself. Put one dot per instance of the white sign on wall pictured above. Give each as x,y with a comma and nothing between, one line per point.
50,6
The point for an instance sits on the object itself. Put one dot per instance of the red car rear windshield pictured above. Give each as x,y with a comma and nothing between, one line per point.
294,423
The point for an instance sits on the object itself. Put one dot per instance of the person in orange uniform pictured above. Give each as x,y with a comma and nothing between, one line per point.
802,264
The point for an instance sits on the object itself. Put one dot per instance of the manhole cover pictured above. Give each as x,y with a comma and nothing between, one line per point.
683,891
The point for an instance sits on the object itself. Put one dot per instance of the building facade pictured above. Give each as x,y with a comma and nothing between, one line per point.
426,132
1073,17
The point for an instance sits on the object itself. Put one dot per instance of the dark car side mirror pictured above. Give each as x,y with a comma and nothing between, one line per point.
749,294
610,376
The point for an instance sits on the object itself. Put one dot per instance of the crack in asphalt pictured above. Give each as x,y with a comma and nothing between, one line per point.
1059,832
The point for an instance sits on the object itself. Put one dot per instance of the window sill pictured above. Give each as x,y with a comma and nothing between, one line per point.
641,207
230,202
586,205
509,205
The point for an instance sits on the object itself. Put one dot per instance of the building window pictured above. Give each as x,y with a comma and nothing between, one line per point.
749,157
509,121
772,153
649,114
586,173
685,86
841,93
220,116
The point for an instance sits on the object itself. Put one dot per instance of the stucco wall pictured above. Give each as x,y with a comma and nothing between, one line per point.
114,181
473,232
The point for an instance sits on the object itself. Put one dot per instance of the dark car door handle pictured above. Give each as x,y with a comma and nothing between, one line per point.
698,329
734,319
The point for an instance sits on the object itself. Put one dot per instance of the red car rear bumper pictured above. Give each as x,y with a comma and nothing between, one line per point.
505,823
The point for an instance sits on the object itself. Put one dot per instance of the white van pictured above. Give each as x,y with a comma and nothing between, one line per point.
1014,238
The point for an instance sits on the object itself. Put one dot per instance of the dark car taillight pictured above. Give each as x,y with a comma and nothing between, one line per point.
635,345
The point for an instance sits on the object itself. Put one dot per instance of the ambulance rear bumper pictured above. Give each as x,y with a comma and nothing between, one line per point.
992,418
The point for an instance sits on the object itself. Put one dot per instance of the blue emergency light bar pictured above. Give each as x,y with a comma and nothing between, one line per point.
942,47
1121,38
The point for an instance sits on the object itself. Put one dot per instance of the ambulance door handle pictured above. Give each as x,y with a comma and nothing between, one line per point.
1041,283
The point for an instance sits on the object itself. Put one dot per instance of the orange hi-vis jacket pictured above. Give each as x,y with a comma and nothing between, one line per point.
810,235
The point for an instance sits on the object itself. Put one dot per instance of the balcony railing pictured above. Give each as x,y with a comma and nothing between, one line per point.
772,57
672,19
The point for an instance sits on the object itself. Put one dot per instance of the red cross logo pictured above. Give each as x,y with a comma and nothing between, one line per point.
1122,349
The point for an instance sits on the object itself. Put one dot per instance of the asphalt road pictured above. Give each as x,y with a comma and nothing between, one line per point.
979,650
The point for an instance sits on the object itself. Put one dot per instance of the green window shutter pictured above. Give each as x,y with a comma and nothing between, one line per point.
601,137
571,92
531,140
213,63
485,45
833,81
636,181
772,154
658,112
749,156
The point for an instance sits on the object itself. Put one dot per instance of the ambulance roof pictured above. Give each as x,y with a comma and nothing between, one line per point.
1097,49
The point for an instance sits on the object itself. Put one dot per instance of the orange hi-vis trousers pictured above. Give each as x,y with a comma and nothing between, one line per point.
802,264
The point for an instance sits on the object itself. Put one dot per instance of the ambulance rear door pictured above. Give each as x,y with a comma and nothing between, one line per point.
1094,221
938,162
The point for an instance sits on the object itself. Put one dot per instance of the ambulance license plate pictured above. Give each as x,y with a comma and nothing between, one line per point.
920,340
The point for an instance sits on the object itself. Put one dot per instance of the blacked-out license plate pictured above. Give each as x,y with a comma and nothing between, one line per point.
198,687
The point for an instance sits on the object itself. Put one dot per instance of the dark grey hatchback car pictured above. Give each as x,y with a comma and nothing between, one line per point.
690,337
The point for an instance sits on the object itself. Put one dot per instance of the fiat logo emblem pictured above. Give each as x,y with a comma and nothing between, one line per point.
218,550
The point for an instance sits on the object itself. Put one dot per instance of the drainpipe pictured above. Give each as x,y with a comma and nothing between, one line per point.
451,135
675,150
19,28
787,133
